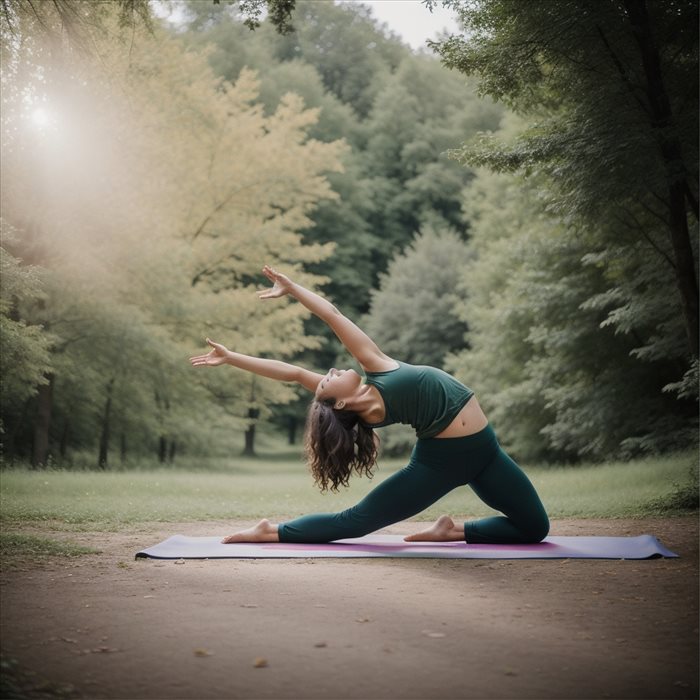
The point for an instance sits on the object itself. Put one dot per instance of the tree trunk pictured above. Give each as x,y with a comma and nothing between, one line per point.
104,437
163,405
63,446
162,449
10,443
42,423
249,449
677,173
122,448
292,430
686,278
171,451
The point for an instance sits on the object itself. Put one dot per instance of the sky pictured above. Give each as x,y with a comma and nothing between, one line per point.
412,20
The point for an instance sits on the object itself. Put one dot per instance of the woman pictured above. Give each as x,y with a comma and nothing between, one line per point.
456,445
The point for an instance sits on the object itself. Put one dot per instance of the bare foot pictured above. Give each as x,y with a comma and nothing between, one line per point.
264,531
444,530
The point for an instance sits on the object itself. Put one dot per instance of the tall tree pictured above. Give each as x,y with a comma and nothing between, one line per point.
554,349
148,247
397,111
614,88
413,314
25,359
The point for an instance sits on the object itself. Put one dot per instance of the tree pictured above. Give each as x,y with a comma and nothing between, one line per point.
351,53
152,237
398,113
24,356
547,362
421,113
614,89
412,315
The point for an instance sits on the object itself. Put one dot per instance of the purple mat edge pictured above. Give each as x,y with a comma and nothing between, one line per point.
393,546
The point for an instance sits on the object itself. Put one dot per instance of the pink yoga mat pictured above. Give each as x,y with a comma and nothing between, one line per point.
641,547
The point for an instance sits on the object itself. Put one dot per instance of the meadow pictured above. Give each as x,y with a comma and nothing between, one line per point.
279,486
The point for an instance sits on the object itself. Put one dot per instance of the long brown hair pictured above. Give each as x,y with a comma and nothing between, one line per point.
336,443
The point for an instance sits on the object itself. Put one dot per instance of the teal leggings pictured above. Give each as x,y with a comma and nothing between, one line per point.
437,466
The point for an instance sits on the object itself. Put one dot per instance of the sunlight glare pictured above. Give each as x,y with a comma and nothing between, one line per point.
40,117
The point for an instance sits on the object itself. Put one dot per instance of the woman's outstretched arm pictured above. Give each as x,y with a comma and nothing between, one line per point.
273,369
357,342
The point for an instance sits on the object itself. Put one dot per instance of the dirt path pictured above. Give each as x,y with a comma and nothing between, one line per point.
112,627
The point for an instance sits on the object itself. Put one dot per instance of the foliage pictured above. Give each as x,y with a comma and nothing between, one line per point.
582,300
544,359
419,115
612,89
351,53
24,359
412,316
68,25
145,247
397,111
684,497
365,84
279,13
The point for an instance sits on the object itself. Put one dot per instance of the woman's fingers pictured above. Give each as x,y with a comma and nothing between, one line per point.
211,358
207,360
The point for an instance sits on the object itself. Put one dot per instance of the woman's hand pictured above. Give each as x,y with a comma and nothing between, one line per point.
215,357
281,284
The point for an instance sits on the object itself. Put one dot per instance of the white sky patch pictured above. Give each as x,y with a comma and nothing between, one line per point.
412,20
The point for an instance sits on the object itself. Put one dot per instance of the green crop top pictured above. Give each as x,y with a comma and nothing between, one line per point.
424,397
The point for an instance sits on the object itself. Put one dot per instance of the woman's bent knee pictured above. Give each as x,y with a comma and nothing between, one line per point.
537,531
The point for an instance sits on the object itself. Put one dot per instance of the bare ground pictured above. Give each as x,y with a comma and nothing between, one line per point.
111,627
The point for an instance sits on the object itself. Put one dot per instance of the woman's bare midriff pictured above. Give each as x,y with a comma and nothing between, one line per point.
469,420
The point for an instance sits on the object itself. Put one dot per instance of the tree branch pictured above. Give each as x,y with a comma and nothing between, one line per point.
642,230
221,205
621,70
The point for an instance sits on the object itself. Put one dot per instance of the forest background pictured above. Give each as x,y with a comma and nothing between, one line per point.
526,220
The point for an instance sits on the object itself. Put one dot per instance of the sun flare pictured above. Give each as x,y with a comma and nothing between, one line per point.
41,117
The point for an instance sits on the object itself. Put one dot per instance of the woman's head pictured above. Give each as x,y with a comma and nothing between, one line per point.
340,385
336,441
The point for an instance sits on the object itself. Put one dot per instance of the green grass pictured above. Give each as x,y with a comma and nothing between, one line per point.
16,547
281,487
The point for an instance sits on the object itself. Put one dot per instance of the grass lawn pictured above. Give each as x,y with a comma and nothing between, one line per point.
279,486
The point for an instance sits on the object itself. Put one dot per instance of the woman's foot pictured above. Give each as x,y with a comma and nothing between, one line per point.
444,530
264,531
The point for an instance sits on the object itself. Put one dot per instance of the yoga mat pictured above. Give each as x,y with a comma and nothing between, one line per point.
641,547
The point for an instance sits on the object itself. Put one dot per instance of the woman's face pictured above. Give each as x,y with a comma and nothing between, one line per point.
338,384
